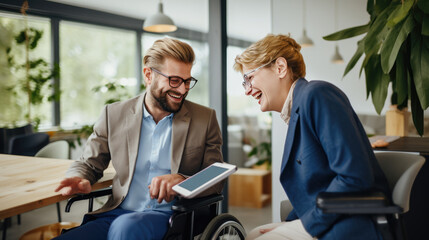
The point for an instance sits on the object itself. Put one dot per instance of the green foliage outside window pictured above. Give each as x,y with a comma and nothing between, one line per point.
94,57
26,86
114,92
33,75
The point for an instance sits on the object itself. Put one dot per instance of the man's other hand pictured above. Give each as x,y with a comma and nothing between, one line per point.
161,187
73,185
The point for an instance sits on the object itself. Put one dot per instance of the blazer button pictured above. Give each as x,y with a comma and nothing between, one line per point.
298,161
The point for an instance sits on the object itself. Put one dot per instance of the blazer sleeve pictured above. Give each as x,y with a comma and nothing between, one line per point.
96,156
343,139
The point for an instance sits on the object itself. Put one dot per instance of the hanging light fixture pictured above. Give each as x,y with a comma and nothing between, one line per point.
305,41
337,58
159,22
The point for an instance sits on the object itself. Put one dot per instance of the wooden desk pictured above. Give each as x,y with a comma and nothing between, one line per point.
27,183
416,220
409,144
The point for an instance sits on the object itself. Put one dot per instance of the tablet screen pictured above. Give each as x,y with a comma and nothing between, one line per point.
202,177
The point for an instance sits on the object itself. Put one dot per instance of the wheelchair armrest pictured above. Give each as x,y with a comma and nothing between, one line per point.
184,205
90,196
355,203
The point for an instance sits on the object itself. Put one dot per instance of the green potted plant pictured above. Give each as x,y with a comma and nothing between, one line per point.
32,76
396,50
262,152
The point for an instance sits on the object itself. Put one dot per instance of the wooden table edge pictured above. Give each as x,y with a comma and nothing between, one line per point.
46,202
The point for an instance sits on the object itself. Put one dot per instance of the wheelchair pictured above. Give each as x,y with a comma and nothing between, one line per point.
196,218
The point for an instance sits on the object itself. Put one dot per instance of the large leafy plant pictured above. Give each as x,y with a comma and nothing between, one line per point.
396,50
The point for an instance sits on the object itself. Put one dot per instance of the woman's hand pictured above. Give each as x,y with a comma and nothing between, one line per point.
265,230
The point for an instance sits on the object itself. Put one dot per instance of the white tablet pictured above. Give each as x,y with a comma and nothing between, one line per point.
204,179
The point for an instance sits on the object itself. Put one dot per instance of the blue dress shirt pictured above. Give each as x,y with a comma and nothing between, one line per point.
153,159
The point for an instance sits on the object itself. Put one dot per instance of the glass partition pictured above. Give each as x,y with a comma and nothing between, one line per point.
248,128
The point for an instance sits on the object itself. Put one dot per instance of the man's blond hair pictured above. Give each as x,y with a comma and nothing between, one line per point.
268,49
168,48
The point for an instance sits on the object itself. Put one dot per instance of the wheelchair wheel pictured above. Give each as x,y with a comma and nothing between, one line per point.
224,227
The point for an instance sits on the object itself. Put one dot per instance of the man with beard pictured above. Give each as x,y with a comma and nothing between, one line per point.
154,141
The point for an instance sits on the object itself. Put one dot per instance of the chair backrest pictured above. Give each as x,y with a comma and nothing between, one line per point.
7,133
285,209
401,170
58,149
28,144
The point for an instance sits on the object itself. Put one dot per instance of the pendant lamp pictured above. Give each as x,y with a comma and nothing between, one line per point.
159,23
337,58
305,41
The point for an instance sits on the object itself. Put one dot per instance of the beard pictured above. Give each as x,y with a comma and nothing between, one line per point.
165,104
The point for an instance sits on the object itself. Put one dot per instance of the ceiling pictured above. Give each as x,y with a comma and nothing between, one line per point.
246,19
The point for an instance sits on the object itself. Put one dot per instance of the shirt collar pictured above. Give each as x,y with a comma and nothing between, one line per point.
147,115
287,106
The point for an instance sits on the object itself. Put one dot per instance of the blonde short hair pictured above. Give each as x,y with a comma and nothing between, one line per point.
268,49
168,47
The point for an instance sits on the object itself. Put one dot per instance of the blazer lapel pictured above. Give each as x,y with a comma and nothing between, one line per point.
181,122
133,124
293,121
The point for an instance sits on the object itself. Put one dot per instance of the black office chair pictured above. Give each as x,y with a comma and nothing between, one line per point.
198,217
28,144
7,133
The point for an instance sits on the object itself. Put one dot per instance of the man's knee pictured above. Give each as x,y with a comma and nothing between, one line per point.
149,225
128,225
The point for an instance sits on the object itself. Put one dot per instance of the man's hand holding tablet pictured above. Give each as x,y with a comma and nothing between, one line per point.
204,179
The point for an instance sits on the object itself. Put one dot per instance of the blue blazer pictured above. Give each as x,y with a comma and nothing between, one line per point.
326,149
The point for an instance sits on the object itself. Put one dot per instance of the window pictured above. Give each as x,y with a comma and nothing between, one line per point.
90,57
14,107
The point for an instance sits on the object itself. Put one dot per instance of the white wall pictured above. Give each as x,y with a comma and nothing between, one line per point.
287,18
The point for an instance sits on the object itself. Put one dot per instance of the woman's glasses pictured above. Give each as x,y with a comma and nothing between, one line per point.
247,83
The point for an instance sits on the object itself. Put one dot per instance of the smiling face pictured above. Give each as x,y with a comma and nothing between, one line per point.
269,85
162,99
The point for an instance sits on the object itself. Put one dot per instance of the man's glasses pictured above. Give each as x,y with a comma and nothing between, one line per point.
176,81
247,83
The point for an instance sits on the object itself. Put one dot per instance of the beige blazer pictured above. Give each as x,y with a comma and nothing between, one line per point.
196,143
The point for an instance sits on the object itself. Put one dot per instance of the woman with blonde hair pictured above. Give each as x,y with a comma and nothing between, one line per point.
326,148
